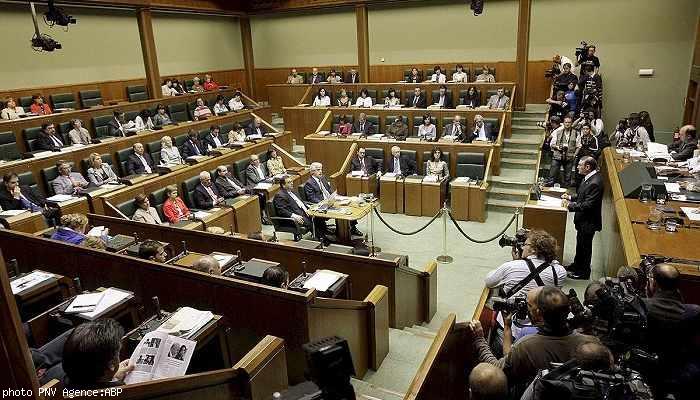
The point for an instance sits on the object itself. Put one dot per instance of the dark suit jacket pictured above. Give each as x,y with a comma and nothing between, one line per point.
209,141
252,131
314,79
408,167
488,130
369,164
135,167
421,101
348,78
587,203
686,150
202,199
251,175
8,202
44,142
448,100
368,128
225,188
285,206
462,137
313,191
669,322
113,128
188,149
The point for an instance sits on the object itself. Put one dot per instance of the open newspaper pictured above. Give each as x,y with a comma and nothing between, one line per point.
159,356
186,322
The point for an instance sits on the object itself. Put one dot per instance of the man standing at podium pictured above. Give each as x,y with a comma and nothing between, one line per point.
586,204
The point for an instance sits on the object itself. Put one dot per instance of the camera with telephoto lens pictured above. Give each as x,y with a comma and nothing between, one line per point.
515,306
581,51
516,242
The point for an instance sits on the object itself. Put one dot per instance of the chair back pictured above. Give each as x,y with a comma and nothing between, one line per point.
63,100
136,93
90,98
8,147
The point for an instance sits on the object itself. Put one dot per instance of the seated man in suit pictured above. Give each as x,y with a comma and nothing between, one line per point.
68,182
689,143
352,76
318,189
48,140
229,187
498,101
213,139
401,165
139,162
206,195
398,130
255,173
363,126
417,99
192,146
295,78
91,356
363,163
118,126
257,128
314,78
456,129
152,250
443,99
289,205
16,197
208,265
483,131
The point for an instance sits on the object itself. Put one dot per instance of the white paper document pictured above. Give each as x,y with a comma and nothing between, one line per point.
356,173
85,302
461,179
12,213
29,281
263,185
322,280
672,187
59,198
159,356
201,214
185,322
98,231
549,201
111,297
692,213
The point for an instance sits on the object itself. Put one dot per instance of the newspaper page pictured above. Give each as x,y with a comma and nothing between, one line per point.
160,355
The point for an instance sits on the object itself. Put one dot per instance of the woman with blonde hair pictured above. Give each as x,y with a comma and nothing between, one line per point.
169,154
72,229
100,173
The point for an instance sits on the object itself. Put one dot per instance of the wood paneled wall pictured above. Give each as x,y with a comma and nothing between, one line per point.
115,90
538,85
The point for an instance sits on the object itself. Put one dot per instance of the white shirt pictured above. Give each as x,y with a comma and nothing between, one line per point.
438,78
397,165
427,131
324,191
142,125
216,141
512,272
261,174
168,91
235,105
441,100
298,201
220,108
235,186
590,174
324,101
364,102
459,77
481,134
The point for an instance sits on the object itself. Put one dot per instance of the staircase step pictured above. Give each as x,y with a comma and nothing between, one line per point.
367,391
518,161
419,332
509,191
530,152
523,176
517,128
504,203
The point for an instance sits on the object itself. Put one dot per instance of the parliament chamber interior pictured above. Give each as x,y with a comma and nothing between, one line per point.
343,199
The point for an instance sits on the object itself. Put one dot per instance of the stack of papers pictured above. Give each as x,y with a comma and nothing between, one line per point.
323,133
322,279
85,302
461,179
672,187
12,213
430,178
549,201
692,213
29,281
59,198
376,136
186,322
110,297
657,150
98,231
201,214
263,185
356,173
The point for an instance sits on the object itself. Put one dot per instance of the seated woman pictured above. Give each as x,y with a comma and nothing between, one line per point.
344,100
167,88
436,166
558,105
79,135
144,212
426,130
472,99
100,173
415,76
209,83
11,110
274,163
169,154
333,77
161,118
201,112
322,99
364,100
391,100
236,102
174,208
344,126
143,121
72,229
276,277
38,106
220,106
196,85
178,88
237,134
460,76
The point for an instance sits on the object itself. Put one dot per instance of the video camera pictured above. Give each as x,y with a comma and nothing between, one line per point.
581,51
516,242
515,306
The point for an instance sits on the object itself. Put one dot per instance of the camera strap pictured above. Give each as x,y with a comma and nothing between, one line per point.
534,274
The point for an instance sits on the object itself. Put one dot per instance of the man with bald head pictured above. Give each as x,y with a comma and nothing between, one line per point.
487,382
207,264
554,341
689,143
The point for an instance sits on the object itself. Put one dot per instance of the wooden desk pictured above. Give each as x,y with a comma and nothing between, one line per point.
33,300
220,217
246,213
342,220
459,199
432,197
391,198
681,244
413,192
27,222
77,205
549,219
355,185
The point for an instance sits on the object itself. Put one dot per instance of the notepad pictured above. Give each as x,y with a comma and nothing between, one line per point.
322,280
111,297
28,281
85,302
672,187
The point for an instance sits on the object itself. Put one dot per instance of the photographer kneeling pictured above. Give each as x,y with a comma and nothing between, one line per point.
533,265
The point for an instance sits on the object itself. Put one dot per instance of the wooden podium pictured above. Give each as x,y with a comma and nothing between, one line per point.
247,214
547,218
27,222
391,196
432,196
413,186
459,200
360,184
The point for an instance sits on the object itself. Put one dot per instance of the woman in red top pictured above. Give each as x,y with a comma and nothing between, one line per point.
38,106
344,127
209,83
174,208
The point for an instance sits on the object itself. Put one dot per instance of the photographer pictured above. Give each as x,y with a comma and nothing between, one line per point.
588,57
561,82
553,342
590,84
563,145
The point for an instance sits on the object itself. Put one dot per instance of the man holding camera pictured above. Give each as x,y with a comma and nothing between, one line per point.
554,341
563,145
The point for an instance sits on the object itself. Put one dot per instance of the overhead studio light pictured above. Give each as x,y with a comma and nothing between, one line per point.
57,16
41,42
477,6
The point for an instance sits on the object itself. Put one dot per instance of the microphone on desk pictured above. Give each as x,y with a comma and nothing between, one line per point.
274,236
136,237
184,248
156,303
303,269
78,285
230,227
239,262
13,267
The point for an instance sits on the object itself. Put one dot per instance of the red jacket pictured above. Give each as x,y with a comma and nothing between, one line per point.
43,109
171,212
211,85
